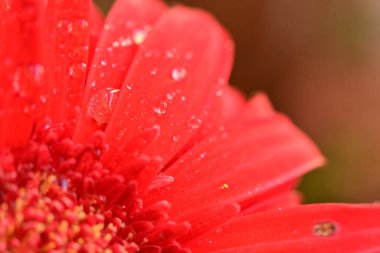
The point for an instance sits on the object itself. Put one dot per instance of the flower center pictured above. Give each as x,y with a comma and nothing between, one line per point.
57,195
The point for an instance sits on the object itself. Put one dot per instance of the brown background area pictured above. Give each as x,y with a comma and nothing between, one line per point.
319,61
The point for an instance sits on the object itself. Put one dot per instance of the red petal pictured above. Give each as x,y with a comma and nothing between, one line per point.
309,228
172,82
282,200
125,28
207,220
96,26
67,36
20,69
258,106
230,104
238,164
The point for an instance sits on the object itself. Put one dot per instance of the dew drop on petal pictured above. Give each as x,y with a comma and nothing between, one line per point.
147,135
125,41
74,27
102,104
108,27
171,53
219,92
202,156
189,56
222,81
325,229
160,181
129,86
176,138
194,122
139,35
224,186
153,71
159,110
178,74
170,96
27,78
43,99
77,70
116,43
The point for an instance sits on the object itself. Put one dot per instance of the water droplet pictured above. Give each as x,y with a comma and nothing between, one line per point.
224,186
325,229
159,110
102,104
153,71
222,81
202,156
75,27
27,79
176,138
107,27
160,181
139,35
140,142
149,53
129,86
189,56
129,24
194,122
125,41
178,74
171,53
77,70
170,96
43,99
183,98
219,92
116,43
103,63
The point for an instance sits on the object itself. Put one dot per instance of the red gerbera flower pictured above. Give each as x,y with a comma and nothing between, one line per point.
124,137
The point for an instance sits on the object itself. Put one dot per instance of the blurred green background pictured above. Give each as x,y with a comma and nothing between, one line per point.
319,61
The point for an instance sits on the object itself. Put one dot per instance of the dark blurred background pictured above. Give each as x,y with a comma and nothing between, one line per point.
319,61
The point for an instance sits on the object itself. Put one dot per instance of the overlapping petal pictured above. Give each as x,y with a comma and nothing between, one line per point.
181,163
126,27
309,228
167,88
238,163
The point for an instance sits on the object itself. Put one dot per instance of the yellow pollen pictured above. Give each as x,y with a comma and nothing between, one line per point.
108,237
63,226
50,218
48,247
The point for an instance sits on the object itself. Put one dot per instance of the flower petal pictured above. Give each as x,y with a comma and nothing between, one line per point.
172,82
309,228
258,106
20,69
67,35
125,28
282,200
96,25
237,164
209,219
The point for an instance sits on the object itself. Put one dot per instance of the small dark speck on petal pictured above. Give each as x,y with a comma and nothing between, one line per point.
325,229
